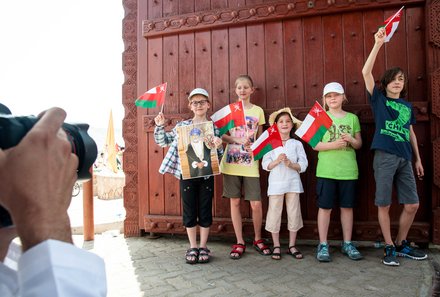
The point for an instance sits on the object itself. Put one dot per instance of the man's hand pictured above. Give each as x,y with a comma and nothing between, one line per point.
36,180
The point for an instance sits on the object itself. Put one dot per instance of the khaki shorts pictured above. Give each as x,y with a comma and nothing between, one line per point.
232,186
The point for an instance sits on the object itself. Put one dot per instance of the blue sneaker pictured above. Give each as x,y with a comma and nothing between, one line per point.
389,256
407,251
351,251
322,254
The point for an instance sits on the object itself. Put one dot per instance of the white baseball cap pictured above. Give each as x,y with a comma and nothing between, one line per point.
198,91
333,87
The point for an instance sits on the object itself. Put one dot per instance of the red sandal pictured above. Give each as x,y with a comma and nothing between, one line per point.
262,249
239,249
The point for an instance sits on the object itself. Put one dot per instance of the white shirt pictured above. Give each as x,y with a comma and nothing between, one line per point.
282,179
54,268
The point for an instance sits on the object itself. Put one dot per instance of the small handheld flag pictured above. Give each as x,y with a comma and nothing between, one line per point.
268,140
392,23
314,126
153,97
228,117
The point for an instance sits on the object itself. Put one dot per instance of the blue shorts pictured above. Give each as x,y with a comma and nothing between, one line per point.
329,191
391,169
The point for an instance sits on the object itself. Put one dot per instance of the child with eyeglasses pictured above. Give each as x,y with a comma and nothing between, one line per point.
196,193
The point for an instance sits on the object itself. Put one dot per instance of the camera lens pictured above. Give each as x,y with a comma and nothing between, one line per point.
13,129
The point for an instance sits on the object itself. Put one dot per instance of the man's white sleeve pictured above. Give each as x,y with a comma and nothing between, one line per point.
55,268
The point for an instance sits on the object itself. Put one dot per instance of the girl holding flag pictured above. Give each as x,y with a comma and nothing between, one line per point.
240,170
337,171
285,164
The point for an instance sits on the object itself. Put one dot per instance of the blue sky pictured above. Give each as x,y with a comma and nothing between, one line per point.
63,53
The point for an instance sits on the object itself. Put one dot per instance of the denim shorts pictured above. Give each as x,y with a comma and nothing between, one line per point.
389,170
329,191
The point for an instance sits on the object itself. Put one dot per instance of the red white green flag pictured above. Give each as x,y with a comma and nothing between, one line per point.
228,117
268,140
314,126
392,23
153,97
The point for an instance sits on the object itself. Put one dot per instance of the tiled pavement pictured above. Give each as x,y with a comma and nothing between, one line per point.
156,267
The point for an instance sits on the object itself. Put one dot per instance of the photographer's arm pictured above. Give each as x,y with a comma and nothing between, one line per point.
36,180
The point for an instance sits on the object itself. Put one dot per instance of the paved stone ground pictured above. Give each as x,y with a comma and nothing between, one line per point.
156,267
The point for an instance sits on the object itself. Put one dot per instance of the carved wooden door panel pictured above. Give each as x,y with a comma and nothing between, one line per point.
291,49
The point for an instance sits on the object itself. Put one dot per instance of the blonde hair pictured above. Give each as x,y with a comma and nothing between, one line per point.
244,77
345,101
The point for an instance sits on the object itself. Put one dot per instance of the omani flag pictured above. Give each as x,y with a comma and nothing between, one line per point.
392,23
269,140
314,126
228,117
153,97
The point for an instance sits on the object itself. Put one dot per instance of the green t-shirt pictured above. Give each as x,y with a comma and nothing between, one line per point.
339,164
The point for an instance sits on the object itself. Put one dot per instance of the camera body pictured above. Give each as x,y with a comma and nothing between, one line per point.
13,129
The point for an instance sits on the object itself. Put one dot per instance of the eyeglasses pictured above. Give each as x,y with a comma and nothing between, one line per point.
200,102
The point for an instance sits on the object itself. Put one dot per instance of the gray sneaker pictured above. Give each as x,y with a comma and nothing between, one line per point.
407,251
351,251
323,254
389,256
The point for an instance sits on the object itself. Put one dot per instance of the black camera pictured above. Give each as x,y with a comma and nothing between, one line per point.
13,129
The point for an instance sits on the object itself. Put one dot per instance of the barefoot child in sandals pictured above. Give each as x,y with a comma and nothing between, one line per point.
285,165
196,193
240,170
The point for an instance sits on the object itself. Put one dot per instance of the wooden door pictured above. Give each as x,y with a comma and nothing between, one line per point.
291,49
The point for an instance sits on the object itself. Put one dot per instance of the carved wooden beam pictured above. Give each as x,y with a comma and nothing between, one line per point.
129,60
213,19
369,230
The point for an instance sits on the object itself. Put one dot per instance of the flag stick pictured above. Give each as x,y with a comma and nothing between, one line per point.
161,108
394,16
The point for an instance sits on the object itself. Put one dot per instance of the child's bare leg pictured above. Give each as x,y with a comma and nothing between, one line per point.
323,223
257,218
384,222
292,238
204,233
192,236
276,239
405,221
347,223
236,219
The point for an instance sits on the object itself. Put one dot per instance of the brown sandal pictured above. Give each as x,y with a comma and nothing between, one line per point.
239,249
296,254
